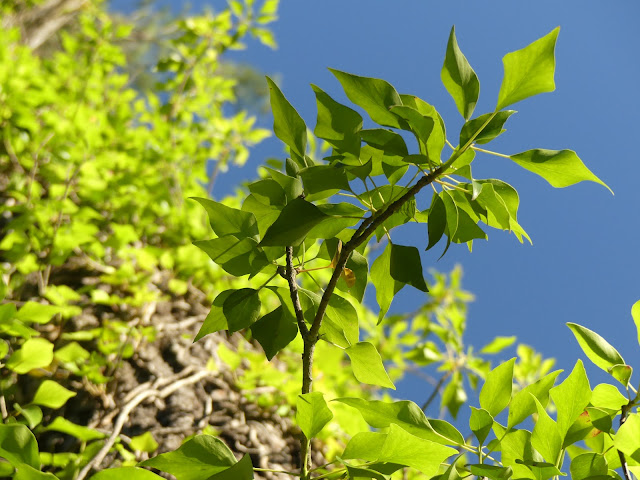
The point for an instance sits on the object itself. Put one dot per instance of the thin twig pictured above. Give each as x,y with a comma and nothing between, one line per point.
436,390
290,274
623,460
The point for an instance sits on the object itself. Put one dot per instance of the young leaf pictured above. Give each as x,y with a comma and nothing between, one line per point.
480,423
237,257
367,366
546,437
522,404
200,457
275,331
373,95
596,348
622,373
493,472
144,443
489,132
626,440
454,394
459,78
635,314
288,125
561,168
529,71
496,391
608,396
36,312
34,353
84,434
337,124
571,397
241,308
498,344
312,413
408,416
405,266
297,218
386,285
229,221
588,465
216,320
52,395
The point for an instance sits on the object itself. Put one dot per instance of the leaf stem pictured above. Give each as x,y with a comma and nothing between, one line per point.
478,149
293,474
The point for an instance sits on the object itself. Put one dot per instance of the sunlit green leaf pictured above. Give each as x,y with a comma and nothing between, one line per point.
529,71
595,347
391,143
84,434
34,353
36,312
497,345
291,185
242,470
312,413
626,439
493,472
337,124
340,325
386,285
373,95
490,131
635,314
216,320
52,395
480,423
496,391
522,404
546,437
561,168
144,443
459,78
133,473
571,397
225,220
237,257
608,396
367,366
588,465
288,125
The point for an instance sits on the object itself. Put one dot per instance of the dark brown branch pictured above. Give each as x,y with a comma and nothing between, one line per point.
290,274
436,390
623,460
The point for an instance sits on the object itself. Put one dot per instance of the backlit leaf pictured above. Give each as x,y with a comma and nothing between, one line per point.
312,413
608,396
459,78
496,391
595,347
622,373
571,397
626,439
522,404
546,437
52,395
324,178
34,353
498,344
391,143
635,314
288,125
490,131
480,423
120,473
375,96
588,465
561,168
241,308
405,266
229,221
82,433
337,124
529,71
144,443
367,366
386,285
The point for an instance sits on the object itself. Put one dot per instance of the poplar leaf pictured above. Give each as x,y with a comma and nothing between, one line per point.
405,266
288,125
496,391
529,71
312,413
459,78
296,219
337,124
386,285
275,330
596,348
367,365
561,168
571,397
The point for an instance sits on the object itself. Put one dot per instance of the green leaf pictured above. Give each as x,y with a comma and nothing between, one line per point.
635,314
405,266
340,325
391,143
133,473
422,126
236,257
459,78
242,470
595,347
496,391
600,418
337,124
198,458
52,395
31,413
491,471
408,416
27,472
84,434
34,353
608,396
367,366
386,285
268,192
522,404
571,397
399,446
18,445
622,373
241,308
216,319
480,423
144,443
312,413
327,179
36,312
454,395
287,122
373,95
291,185
229,221
626,440
437,221
297,218
529,71
588,465
436,137
275,331
498,344
546,437
561,168
489,132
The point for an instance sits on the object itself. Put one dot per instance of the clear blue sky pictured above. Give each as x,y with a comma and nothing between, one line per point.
584,265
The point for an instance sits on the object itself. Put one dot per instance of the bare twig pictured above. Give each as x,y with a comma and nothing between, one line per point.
436,390
623,460
290,274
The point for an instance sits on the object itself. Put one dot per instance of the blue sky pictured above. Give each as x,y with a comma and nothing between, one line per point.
584,265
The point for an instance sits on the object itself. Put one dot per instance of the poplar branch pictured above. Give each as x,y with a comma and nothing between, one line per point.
290,275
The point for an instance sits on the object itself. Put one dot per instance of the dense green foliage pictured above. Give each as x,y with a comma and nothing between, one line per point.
95,178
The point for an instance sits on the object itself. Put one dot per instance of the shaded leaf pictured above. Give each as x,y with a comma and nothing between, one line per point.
275,330
237,257
18,445
459,78
406,267
288,125
215,320
490,131
229,221
337,124
391,143
496,391
241,308
242,470
296,219
529,71
324,179
386,285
